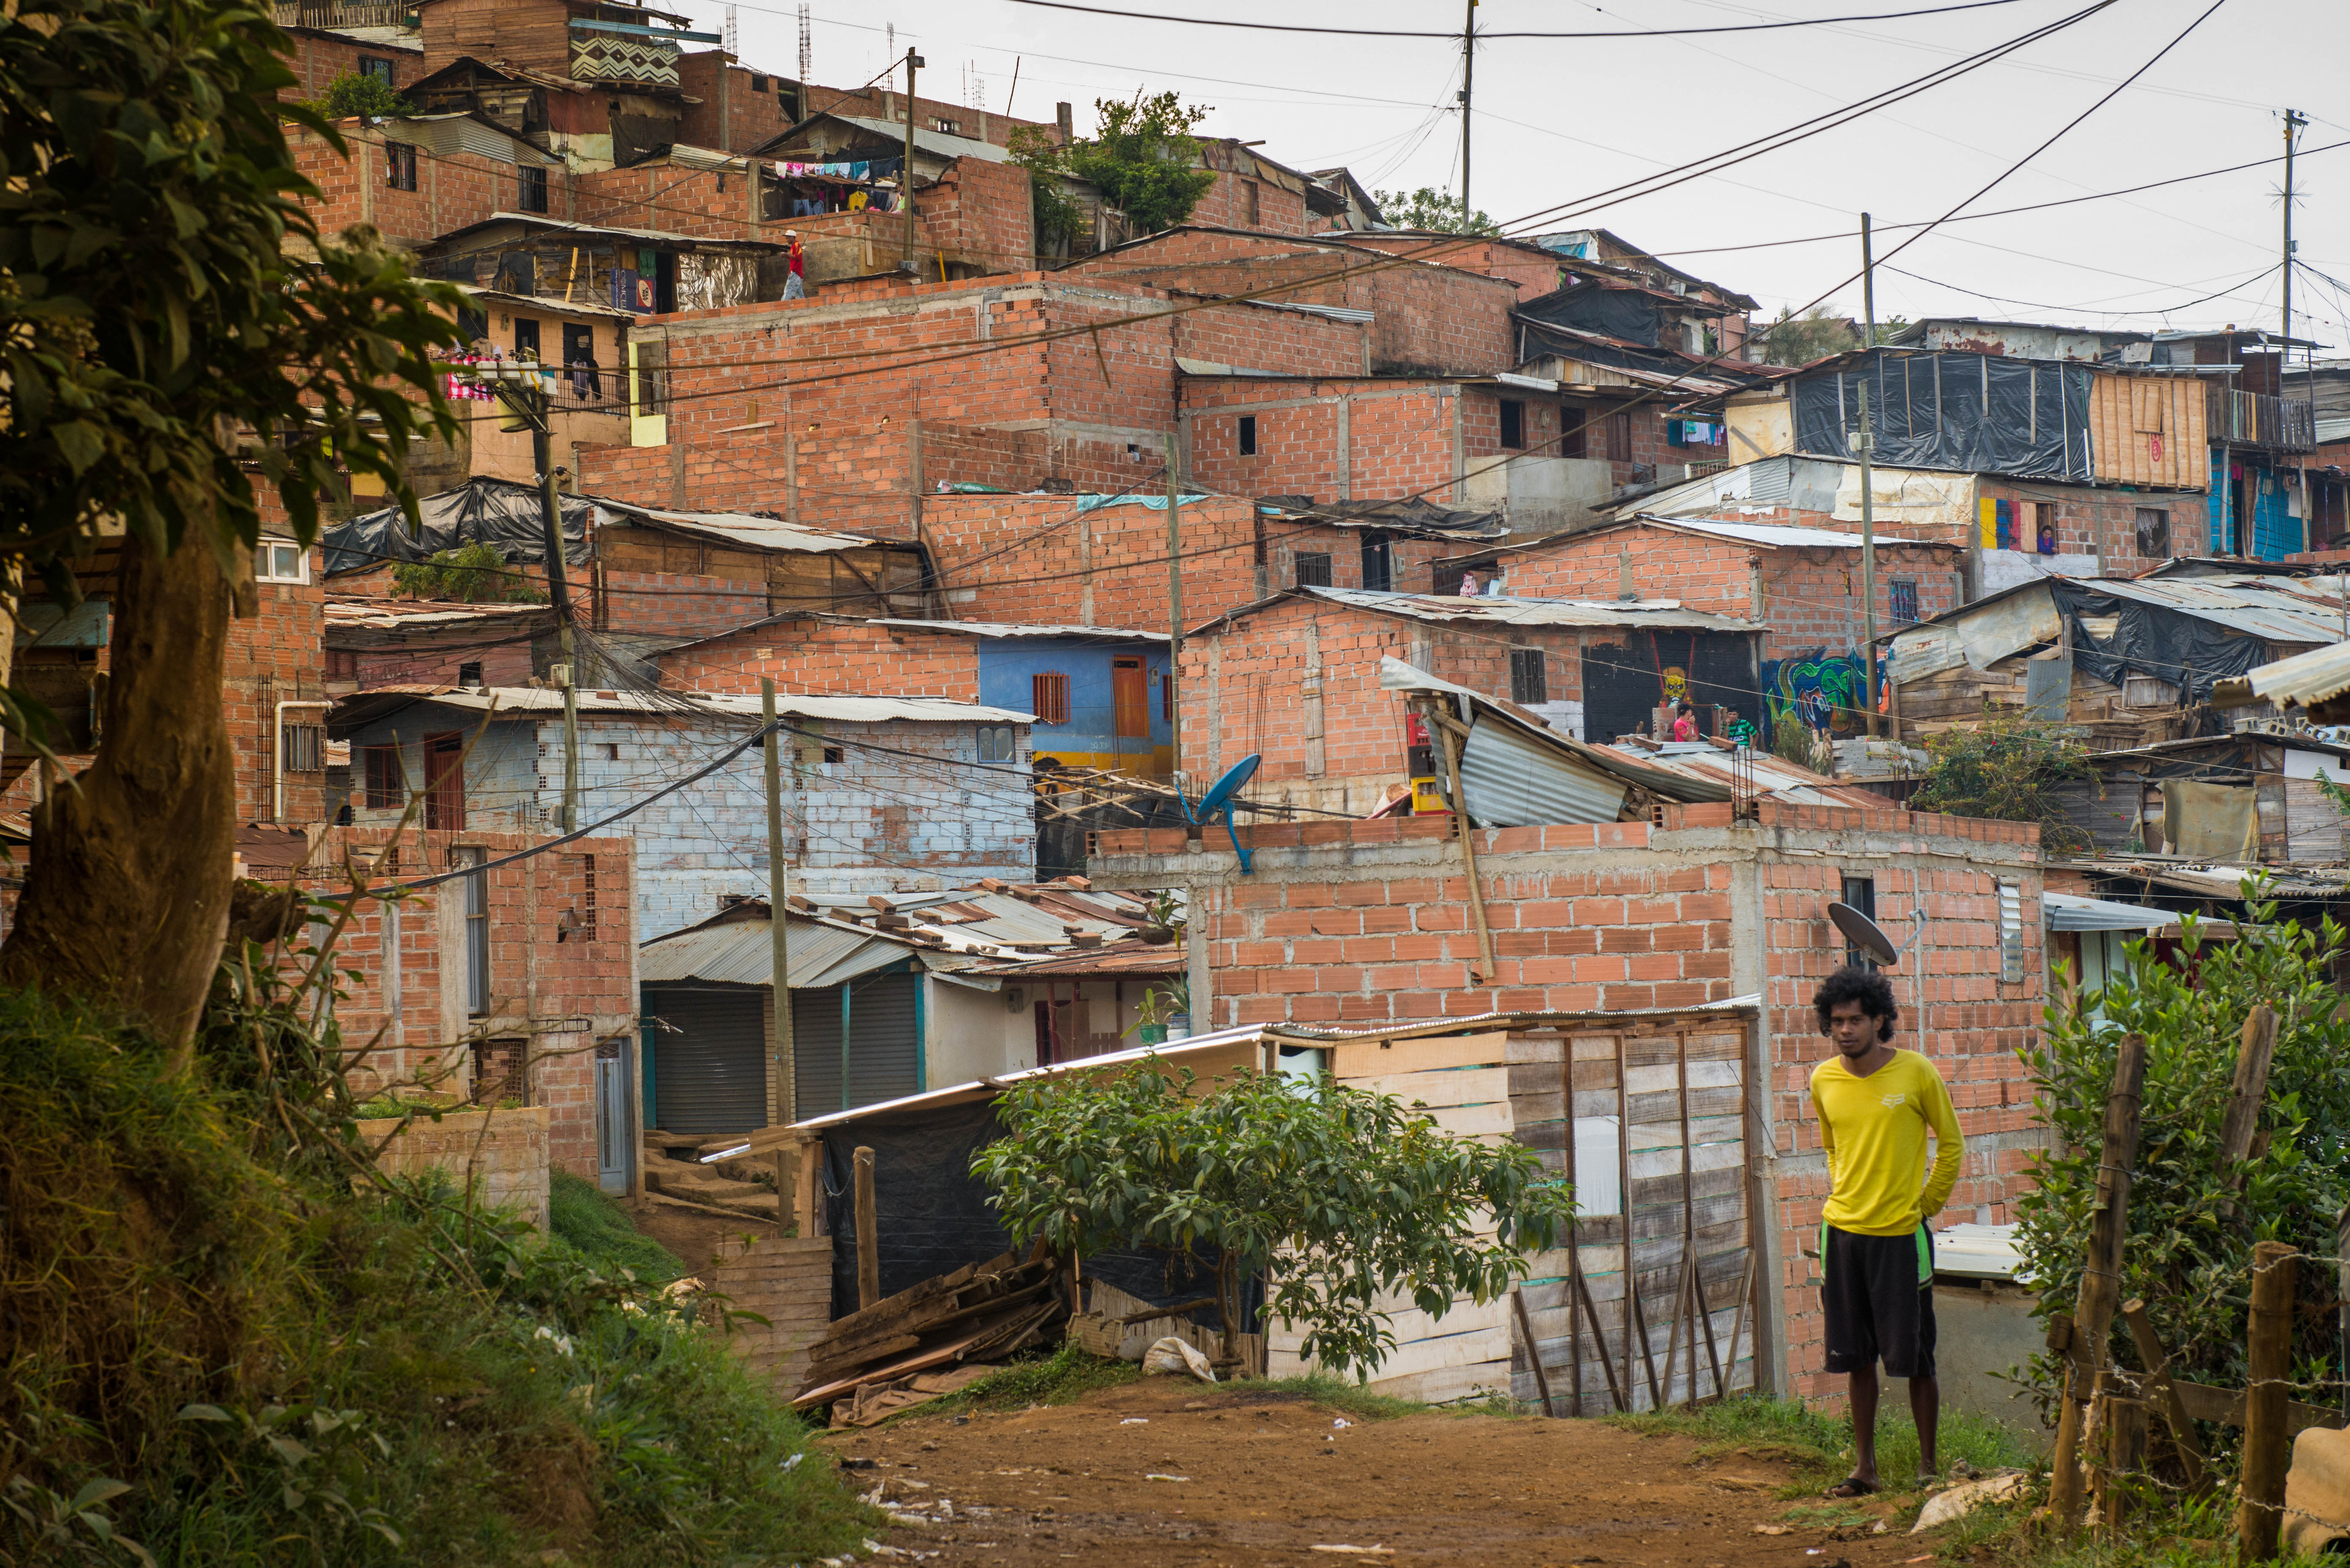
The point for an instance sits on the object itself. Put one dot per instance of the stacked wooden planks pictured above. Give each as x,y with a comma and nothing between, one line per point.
980,1312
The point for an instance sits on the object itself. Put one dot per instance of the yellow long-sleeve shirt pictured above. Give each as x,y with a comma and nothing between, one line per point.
1874,1131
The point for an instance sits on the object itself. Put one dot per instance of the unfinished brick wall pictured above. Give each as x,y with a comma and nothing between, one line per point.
1810,596
2104,523
318,57
1329,440
560,944
452,190
1427,318
1363,923
698,204
1297,682
982,212
1055,560
827,655
731,117
1245,201
277,654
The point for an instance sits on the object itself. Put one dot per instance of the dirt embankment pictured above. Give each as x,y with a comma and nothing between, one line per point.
1167,1474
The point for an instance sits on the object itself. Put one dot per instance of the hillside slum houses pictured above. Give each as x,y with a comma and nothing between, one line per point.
1423,538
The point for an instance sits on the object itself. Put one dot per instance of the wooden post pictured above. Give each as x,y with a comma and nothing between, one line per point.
1445,728
1606,1365
2099,1476
2162,1397
2125,1457
2342,1278
2093,1314
2251,1087
1533,1351
868,1242
2268,1356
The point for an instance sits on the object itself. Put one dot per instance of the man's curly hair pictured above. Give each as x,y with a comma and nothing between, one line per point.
1858,982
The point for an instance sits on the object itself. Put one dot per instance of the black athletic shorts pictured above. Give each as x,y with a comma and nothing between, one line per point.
1877,1294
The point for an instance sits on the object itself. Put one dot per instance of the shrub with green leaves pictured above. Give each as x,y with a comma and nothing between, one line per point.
352,96
471,574
2008,768
1341,1199
2192,1222
1142,157
1440,212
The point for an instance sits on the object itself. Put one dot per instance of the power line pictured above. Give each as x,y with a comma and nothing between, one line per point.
1395,32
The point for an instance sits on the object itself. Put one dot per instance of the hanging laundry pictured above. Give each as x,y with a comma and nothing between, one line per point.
856,202
860,170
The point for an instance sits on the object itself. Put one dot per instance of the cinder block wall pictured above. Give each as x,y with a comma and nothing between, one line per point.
501,1156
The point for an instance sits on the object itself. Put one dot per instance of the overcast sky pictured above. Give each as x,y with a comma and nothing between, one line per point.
1557,121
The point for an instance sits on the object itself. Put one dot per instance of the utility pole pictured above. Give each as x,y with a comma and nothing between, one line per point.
914,62
1864,443
1468,84
1174,612
2293,121
779,1039
521,387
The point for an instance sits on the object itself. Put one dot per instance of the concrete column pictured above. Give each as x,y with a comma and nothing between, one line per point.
1344,448
1215,710
1750,968
1310,689
1195,955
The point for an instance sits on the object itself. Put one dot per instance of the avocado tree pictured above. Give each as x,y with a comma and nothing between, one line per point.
175,335
1341,1199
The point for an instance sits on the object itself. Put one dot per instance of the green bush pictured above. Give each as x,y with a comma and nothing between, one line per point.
2009,768
600,1231
2189,1248
228,1339
349,96
472,574
1142,158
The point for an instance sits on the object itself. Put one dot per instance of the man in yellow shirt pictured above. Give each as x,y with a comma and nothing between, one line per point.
1876,1106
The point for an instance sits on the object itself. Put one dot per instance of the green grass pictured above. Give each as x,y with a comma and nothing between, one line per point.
1330,1393
1068,1373
1818,1445
599,1229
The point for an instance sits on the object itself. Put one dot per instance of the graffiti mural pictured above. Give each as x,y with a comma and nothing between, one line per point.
1819,690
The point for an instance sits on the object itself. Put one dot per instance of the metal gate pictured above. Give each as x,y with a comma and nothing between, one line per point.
856,1044
612,1132
1649,1306
710,1061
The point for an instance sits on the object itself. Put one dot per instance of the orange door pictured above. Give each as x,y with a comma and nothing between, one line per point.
1130,691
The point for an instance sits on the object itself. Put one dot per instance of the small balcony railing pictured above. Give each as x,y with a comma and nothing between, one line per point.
2253,418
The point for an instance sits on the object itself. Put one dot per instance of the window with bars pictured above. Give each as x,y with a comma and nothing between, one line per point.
477,929
532,196
1860,893
998,743
303,748
400,165
1313,570
1527,681
380,69
1049,696
387,783
1902,594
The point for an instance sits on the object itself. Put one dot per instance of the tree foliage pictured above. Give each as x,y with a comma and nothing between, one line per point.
472,574
1143,158
2189,1248
2008,769
164,287
1339,1197
352,96
1439,212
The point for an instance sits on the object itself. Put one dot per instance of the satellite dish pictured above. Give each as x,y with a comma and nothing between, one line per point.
1220,798
1864,933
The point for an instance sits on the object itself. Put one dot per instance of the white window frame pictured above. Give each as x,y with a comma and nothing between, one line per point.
264,561
2010,933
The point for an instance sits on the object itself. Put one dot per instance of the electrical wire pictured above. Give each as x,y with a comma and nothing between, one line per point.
1454,37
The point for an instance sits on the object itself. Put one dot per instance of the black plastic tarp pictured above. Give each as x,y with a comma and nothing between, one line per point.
495,511
1977,414
1623,313
2152,639
930,1214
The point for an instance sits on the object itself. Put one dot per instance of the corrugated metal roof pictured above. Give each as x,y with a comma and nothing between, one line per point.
563,225
2301,681
1777,537
943,144
1003,629
682,704
2274,609
1773,776
2071,912
742,952
742,528
394,615
1504,610
1514,779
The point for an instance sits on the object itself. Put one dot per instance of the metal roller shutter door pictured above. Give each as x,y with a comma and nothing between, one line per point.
816,1048
882,1049
711,1075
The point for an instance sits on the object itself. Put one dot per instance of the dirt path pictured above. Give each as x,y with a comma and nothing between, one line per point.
1267,1480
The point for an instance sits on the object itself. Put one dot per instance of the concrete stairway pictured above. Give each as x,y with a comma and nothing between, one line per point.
671,1168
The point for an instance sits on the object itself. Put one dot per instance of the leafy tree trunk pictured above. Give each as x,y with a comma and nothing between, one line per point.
126,901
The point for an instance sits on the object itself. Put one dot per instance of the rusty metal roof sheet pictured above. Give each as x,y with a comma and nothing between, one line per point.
1503,610
2274,609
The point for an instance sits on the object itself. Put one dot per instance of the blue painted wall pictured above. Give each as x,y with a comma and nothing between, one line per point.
2274,533
1007,669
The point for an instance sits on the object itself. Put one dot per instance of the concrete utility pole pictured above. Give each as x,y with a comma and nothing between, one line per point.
1174,611
521,387
1467,82
779,1040
2293,121
1864,443
914,62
